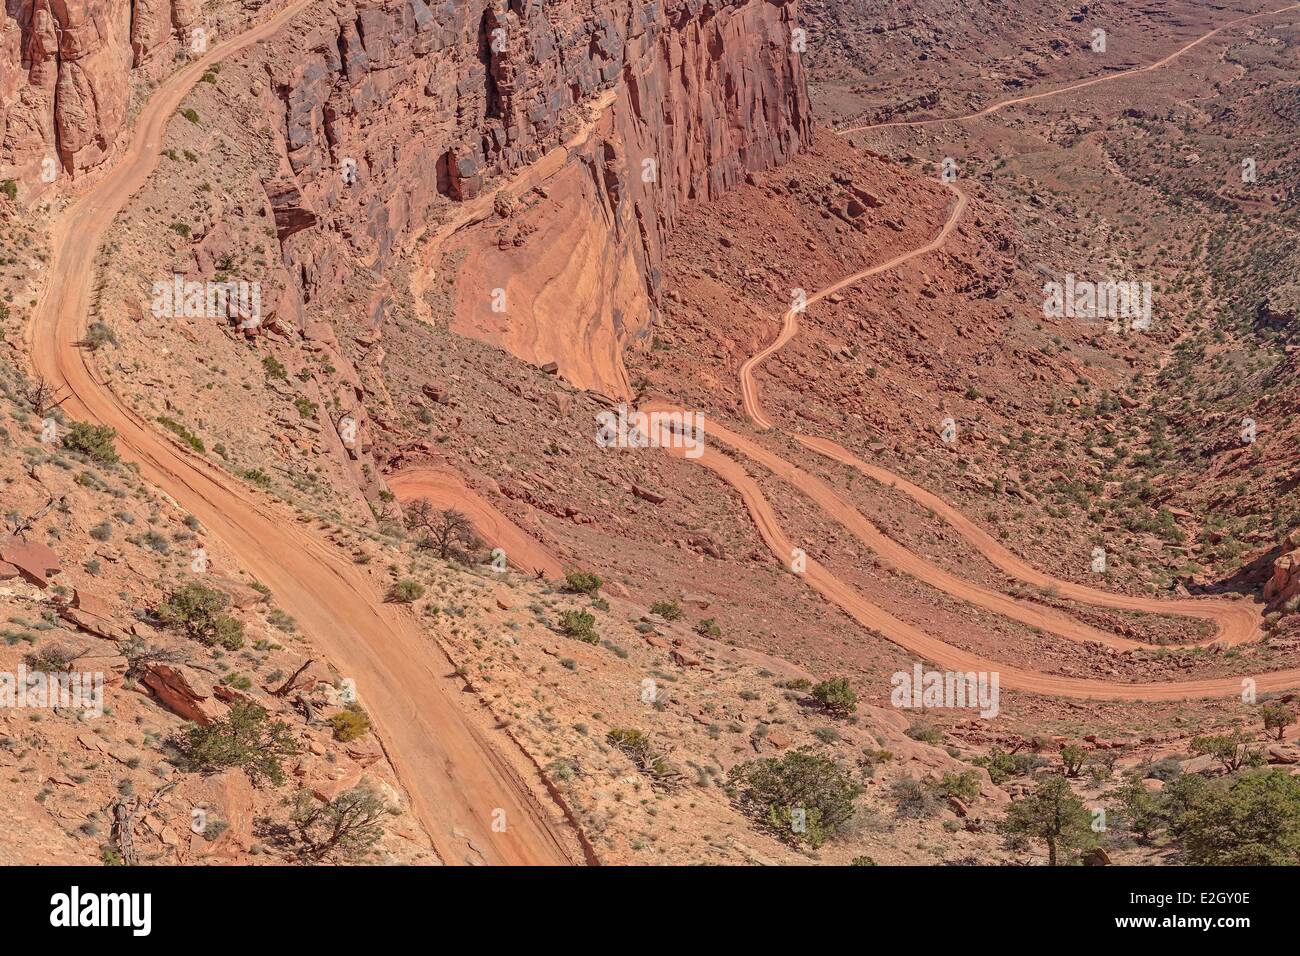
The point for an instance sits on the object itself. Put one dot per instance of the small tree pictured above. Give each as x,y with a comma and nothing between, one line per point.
1052,815
42,396
347,827
836,696
1231,750
1072,759
198,612
802,797
244,739
1277,718
1142,810
1253,822
448,531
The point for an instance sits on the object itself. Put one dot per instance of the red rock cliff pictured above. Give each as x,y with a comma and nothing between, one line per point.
65,76
400,116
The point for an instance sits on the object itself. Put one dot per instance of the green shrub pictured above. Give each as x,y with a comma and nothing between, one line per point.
183,433
964,786
1002,766
350,724
274,368
583,582
257,476
925,734
198,612
9,188
772,789
709,628
580,625
244,739
836,696
668,610
405,591
190,114
96,442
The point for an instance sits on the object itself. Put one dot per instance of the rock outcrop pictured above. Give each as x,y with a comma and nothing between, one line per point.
1284,584
65,78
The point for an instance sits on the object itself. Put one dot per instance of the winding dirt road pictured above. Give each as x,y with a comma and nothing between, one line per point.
445,489
1082,84
945,655
1237,621
453,769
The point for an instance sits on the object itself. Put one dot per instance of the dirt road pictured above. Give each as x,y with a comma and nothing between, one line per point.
444,489
454,770
1082,84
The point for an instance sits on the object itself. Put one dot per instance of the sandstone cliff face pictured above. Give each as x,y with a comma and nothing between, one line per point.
399,115
65,76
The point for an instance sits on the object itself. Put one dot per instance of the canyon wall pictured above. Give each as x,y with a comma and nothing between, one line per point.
400,117
65,78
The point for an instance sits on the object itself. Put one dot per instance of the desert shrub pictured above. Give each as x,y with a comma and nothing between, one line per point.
580,625
964,786
198,612
257,476
96,442
668,610
925,734
351,723
803,797
640,747
405,591
181,432
708,628
583,582
1002,766
913,799
274,368
9,188
98,335
836,696
52,660
244,738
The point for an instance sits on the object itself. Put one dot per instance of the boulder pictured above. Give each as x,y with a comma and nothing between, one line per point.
184,691
34,560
